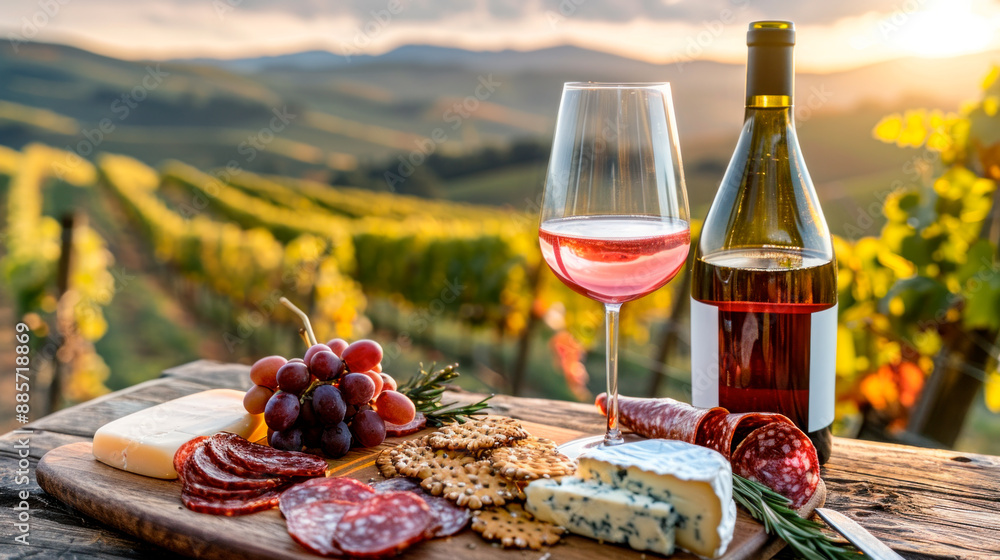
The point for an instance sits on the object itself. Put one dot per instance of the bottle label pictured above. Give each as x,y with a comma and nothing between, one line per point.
773,359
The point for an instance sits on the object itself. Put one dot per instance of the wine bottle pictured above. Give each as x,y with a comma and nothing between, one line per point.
764,285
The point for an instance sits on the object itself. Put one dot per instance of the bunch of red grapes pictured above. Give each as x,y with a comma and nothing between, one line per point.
334,397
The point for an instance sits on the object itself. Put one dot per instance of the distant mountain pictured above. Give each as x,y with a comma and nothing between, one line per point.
364,110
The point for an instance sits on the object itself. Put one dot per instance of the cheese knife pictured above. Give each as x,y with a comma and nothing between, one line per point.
858,535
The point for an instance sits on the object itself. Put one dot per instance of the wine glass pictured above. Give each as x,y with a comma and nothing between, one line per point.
614,219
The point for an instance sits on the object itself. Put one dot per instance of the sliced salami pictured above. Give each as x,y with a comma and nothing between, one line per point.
202,469
397,484
661,418
383,525
725,433
338,489
782,458
449,518
217,450
312,525
185,451
413,426
263,459
196,488
265,501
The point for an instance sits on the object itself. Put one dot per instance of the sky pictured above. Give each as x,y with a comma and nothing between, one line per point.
832,34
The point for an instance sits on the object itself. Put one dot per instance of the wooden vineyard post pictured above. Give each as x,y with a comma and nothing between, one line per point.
524,342
63,273
670,338
952,387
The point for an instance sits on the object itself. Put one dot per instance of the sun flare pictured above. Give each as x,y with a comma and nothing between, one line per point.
945,29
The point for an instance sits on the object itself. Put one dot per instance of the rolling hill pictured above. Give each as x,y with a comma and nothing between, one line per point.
358,113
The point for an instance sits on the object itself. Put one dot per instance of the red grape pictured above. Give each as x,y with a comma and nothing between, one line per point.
294,377
368,428
388,382
281,411
377,368
287,440
297,360
362,355
329,405
264,370
325,365
357,388
307,414
337,345
311,436
256,399
336,440
395,407
377,379
312,351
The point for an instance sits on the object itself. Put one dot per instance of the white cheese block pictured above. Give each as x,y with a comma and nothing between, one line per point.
145,442
697,481
601,512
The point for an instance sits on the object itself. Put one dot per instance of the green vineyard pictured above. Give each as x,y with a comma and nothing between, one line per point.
461,281
247,240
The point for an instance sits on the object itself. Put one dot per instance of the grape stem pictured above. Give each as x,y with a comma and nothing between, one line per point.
305,320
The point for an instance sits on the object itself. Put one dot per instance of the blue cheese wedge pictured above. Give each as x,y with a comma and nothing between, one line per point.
697,481
601,512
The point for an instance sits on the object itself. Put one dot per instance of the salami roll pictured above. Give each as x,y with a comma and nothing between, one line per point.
312,525
724,433
335,489
661,418
450,519
263,459
231,507
384,525
413,426
782,458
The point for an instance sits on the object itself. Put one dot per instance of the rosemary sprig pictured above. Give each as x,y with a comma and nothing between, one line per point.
425,390
773,511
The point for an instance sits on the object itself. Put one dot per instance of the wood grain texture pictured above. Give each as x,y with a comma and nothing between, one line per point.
150,509
914,499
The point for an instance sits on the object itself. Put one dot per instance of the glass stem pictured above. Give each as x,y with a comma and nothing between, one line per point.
614,435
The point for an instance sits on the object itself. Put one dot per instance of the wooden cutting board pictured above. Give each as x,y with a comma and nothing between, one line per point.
150,509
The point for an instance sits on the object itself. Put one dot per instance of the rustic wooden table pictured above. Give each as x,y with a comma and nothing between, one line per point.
923,503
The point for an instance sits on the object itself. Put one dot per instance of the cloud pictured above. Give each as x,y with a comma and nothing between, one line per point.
831,34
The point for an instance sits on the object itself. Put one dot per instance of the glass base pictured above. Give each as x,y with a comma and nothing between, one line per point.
575,448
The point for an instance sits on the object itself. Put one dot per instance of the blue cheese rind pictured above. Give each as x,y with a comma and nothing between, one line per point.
601,512
697,481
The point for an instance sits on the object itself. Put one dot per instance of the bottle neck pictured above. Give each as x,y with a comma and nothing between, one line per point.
770,76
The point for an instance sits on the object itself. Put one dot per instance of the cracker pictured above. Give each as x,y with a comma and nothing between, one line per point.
475,434
532,458
515,528
385,461
416,459
471,484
